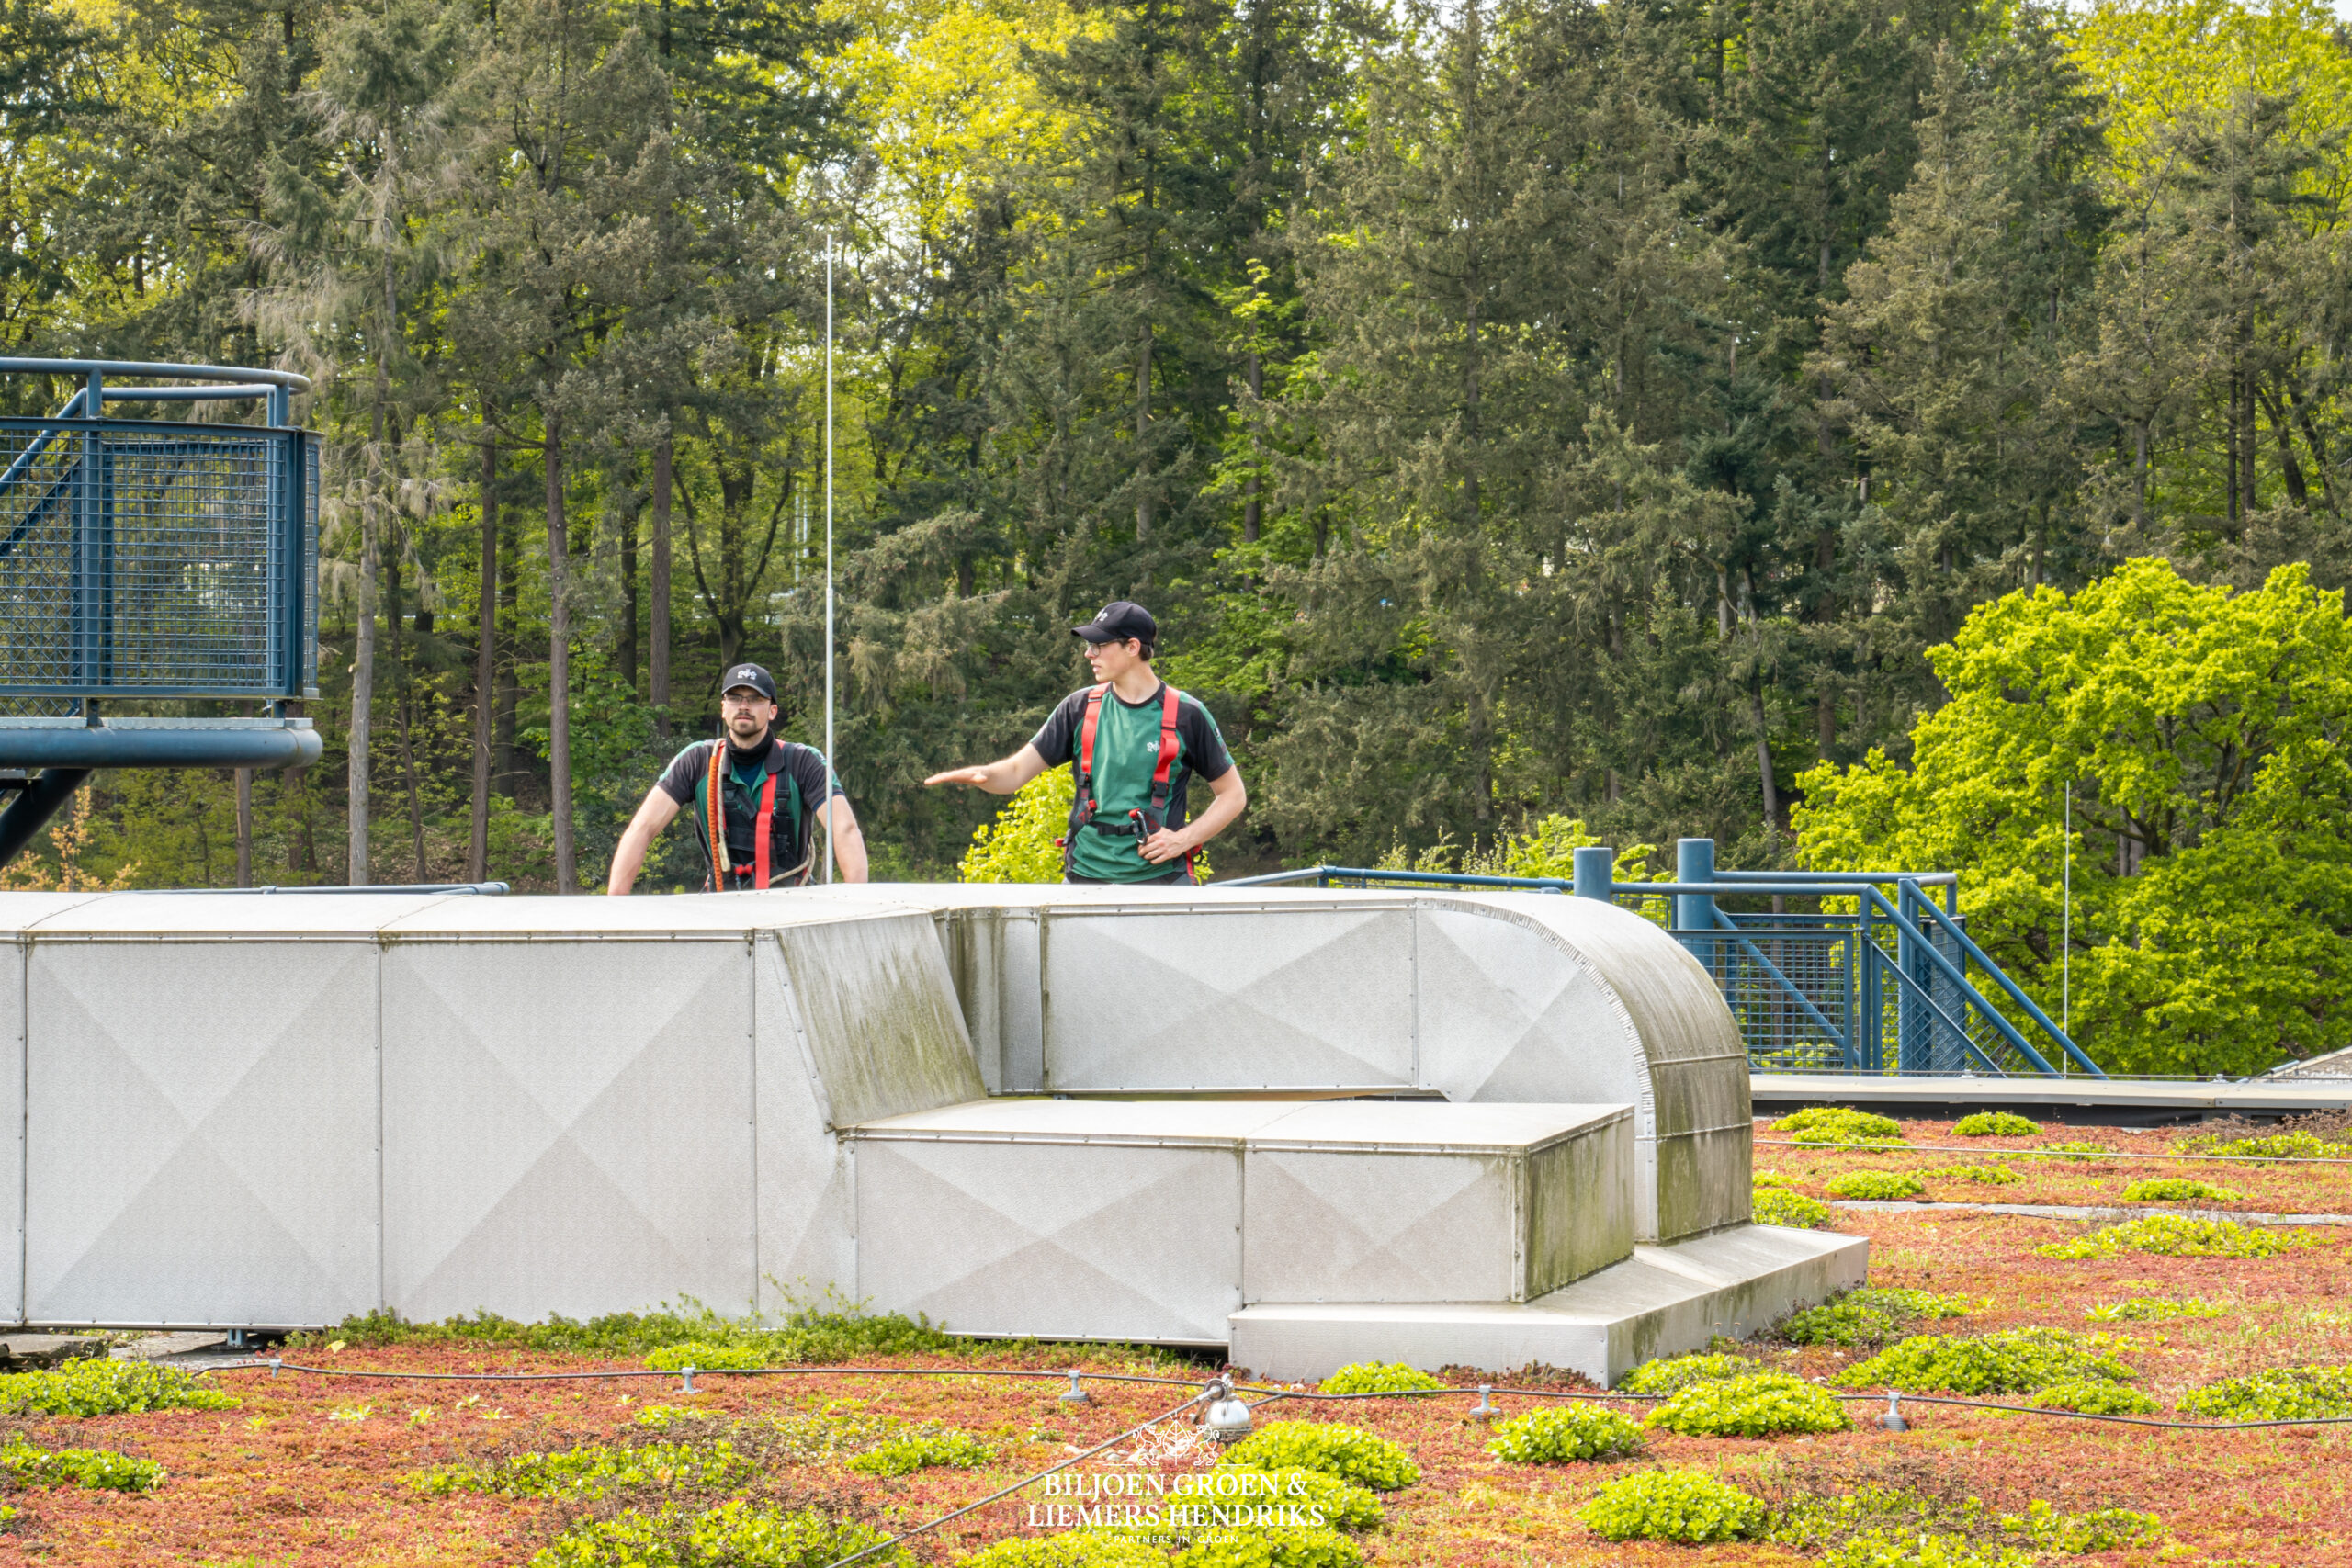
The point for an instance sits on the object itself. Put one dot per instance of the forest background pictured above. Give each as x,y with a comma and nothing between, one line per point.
1530,422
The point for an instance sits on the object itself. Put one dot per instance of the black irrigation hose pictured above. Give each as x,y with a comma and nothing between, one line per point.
1273,1395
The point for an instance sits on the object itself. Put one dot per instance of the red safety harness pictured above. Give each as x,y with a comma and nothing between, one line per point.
762,829
1143,823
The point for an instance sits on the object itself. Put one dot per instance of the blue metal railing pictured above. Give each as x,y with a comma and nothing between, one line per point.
1890,985
145,558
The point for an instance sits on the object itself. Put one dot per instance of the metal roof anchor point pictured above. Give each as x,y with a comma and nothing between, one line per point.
1074,1396
1892,1420
688,1373
1486,1409
1228,1419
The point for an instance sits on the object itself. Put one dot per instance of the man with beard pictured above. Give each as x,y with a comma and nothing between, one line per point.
756,801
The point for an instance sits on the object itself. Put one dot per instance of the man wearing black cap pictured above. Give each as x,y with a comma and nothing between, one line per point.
1134,742
755,799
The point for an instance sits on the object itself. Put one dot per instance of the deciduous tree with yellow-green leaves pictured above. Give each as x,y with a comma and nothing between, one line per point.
2204,737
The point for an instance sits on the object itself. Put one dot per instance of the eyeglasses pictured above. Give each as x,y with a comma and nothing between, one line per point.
750,699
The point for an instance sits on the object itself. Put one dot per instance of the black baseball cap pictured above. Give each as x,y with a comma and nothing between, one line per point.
1118,621
749,676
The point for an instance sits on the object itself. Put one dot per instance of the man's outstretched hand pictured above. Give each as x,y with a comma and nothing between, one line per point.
976,777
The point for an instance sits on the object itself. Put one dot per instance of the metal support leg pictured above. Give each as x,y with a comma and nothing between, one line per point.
34,805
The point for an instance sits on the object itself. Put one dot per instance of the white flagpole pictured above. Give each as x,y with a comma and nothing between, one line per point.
833,774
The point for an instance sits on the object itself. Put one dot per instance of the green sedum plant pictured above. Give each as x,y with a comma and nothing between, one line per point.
593,1470
1867,1316
2150,1309
1073,1548
2022,1361
921,1449
706,1356
1770,1179
1873,1186
2077,1149
1260,1547
1763,1405
733,1535
2179,1189
1997,1124
108,1387
1563,1435
1982,1175
1688,1506
1832,1125
1349,1453
2095,1398
2270,1146
1676,1374
2170,1236
1772,1206
97,1469
1342,1504
1890,1549
2283,1393
2102,1530
1376,1376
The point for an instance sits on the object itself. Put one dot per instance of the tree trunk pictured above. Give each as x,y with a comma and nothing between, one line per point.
402,712
244,827
1251,509
510,590
485,669
625,653
657,589
558,669
1143,432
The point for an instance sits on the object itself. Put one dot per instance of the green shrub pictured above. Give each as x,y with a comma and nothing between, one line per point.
1770,1179
593,1470
1874,1186
1375,1377
2077,1150
2170,1236
1997,1124
2094,1398
1267,1548
2149,1309
704,1357
2271,1145
1866,1316
2283,1393
1349,1453
1074,1549
98,1469
2102,1530
1982,1175
1685,1505
1343,1504
1771,1206
107,1388
923,1448
1676,1374
2021,1360
1832,1125
1763,1405
733,1535
2179,1189
1557,1437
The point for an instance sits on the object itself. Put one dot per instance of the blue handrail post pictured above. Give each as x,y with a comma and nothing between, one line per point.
1594,867
1694,862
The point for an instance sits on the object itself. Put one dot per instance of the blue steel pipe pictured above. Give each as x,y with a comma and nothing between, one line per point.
106,746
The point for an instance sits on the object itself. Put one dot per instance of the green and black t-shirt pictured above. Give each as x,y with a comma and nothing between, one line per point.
804,781
1126,752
